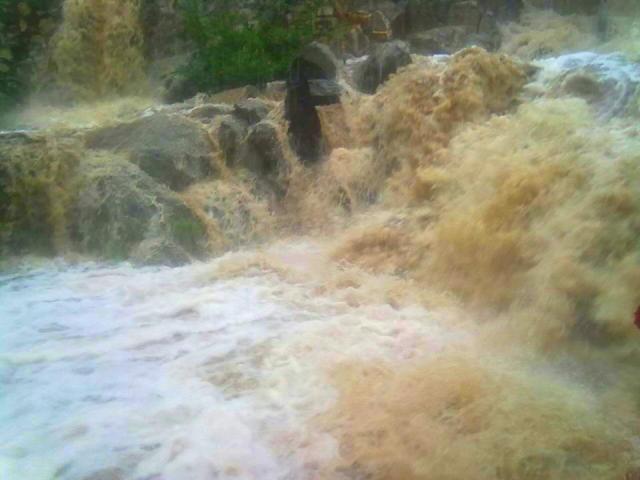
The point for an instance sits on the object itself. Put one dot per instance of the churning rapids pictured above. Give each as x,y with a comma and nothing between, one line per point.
449,295
159,373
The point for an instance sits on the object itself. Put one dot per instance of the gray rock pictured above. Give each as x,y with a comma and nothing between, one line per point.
209,111
172,149
251,110
386,59
118,212
325,92
321,56
263,154
178,88
231,134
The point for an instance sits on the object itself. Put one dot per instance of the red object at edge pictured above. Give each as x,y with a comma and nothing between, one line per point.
637,319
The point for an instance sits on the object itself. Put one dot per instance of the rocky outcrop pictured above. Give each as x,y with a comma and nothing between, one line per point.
386,59
57,197
118,212
170,148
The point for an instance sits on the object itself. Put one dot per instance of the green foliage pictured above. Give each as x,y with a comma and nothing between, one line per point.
235,48
23,24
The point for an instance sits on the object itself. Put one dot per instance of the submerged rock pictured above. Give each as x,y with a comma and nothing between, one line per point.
386,59
170,148
120,212
609,83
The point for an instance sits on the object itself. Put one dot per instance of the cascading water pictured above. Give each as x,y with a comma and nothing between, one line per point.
464,309
98,49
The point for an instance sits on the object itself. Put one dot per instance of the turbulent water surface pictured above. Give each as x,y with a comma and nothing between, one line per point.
114,372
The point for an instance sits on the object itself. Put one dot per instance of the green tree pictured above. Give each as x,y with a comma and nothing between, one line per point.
233,48
23,25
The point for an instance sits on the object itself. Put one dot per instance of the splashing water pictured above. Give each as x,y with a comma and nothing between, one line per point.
161,373
465,310
98,49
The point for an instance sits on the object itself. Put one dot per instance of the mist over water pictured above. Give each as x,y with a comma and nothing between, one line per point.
449,295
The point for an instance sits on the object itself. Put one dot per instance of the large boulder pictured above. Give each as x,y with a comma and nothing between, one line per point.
263,154
170,148
119,212
385,60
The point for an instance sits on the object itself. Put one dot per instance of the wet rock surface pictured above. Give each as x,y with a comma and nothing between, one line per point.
119,212
171,149
386,59
231,132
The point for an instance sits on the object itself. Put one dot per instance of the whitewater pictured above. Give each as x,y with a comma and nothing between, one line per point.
116,372
448,295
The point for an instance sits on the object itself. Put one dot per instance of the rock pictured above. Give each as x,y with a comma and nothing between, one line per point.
423,15
501,10
119,212
356,43
210,110
251,110
380,26
276,90
178,88
325,92
386,59
172,149
231,134
320,61
263,153
466,13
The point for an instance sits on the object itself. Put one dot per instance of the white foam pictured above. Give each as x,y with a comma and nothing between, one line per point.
163,373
